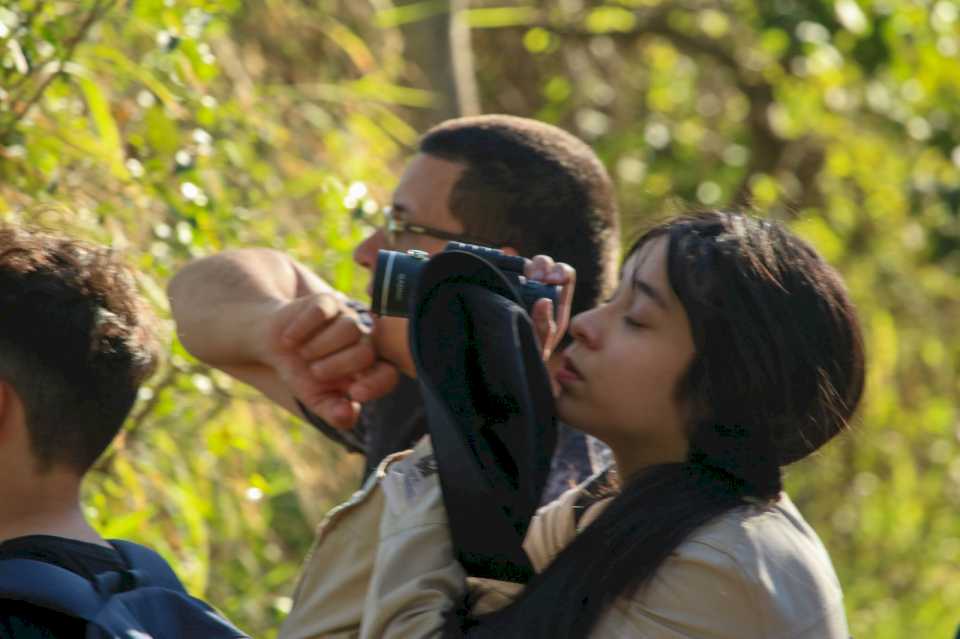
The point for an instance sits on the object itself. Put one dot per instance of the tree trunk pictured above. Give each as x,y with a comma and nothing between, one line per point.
439,49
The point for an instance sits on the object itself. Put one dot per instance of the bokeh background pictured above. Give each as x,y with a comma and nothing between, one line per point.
174,129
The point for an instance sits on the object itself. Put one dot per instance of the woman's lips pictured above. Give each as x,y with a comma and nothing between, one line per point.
568,372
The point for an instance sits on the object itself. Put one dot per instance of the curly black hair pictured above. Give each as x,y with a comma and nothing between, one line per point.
76,342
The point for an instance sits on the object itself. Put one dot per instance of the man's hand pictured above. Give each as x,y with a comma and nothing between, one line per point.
551,326
321,349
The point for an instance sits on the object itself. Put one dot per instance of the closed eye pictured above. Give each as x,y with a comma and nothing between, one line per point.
634,323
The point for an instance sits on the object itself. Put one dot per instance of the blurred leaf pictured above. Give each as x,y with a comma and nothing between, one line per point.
110,146
412,12
498,17
610,19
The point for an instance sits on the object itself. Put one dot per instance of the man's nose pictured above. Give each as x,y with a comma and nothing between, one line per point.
366,252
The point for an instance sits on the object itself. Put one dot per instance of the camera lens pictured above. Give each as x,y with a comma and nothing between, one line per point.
394,280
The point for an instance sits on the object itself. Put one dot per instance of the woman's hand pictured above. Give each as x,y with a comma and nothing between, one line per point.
549,325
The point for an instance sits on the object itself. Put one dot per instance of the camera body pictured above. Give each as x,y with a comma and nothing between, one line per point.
397,274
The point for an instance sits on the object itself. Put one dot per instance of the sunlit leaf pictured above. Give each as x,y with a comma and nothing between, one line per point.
106,127
610,19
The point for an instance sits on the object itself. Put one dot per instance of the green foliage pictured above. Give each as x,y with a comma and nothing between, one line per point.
175,129
146,127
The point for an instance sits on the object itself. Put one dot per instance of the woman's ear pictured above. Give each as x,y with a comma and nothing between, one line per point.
509,250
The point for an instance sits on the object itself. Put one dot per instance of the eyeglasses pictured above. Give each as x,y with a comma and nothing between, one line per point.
393,227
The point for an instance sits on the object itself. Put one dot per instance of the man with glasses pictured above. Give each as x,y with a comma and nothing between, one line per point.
525,187
522,186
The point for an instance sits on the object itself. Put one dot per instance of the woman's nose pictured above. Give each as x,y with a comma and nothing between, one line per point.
583,328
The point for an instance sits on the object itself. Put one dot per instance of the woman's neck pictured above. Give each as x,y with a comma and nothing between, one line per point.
632,458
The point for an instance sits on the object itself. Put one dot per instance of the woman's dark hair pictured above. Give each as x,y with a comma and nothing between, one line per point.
778,371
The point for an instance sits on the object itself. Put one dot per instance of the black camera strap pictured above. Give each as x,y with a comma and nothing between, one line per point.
489,409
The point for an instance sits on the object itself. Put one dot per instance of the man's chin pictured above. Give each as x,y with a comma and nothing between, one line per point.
390,339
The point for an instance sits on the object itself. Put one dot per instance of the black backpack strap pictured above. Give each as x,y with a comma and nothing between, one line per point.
49,586
148,566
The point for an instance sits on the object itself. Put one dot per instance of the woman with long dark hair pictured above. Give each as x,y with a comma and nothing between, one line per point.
729,351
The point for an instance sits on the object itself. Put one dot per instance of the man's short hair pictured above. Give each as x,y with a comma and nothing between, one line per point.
76,342
537,188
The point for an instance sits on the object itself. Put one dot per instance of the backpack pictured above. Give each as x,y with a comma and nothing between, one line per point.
146,601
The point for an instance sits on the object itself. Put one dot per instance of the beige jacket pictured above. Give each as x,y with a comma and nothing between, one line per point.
383,566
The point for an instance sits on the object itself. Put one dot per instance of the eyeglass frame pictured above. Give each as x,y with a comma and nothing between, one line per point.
391,227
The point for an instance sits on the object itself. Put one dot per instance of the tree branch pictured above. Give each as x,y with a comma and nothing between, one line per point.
97,11
25,24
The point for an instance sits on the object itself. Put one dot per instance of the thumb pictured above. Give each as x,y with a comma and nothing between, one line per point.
544,325
336,409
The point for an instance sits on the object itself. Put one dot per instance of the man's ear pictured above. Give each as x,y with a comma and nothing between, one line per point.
13,423
509,250
7,401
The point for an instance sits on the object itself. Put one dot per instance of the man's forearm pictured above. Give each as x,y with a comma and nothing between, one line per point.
266,320
222,304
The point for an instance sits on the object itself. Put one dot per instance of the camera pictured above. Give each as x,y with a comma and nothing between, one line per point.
397,274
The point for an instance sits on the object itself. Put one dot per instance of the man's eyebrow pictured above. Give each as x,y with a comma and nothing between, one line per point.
646,289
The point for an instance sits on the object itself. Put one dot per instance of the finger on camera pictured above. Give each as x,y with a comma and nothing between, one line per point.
374,382
542,311
537,267
341,333
559,273
312,314
543,320
565,302
346,362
